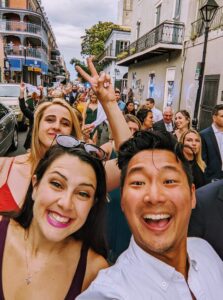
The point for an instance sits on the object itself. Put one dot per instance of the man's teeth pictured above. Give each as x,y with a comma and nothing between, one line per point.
59,218
156,217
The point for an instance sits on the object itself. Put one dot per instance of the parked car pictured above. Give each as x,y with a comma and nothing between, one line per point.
8,130
9,94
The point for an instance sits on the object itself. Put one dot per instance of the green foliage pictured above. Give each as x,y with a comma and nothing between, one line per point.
77,62
93,42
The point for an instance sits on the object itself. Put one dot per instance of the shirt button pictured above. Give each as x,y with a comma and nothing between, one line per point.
164,284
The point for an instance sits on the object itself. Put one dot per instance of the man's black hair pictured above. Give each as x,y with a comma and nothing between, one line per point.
148,140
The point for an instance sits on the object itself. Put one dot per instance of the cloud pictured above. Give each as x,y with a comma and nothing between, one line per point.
70,18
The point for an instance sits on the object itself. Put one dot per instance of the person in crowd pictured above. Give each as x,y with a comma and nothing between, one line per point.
134,125
212,145
118,233
90,110
80,103
130,95
145,116
130,108
58,117
157,114
206,219
57,238
121,104
182,123
73,94
28,107
192,141
157,198
166,124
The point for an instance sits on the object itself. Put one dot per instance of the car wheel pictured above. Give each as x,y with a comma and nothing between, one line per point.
15,140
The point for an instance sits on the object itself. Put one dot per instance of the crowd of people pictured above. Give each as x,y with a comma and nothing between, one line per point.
103,201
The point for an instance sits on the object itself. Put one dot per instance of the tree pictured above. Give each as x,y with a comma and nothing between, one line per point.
93,42
77,62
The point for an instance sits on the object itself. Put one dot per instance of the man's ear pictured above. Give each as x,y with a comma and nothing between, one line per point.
34,184
193,196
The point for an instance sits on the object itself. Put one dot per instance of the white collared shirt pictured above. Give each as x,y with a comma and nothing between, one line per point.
169,126
157,115
138,275
219,137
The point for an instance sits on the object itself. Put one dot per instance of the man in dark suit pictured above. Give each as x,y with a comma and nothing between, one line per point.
207,218
212,145
166,124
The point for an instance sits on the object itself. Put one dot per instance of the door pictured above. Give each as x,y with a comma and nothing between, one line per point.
209,100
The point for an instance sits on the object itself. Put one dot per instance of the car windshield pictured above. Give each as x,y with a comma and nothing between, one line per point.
9,91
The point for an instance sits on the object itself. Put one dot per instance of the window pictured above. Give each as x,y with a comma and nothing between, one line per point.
158,14
121,46
4,3
169,87
177,9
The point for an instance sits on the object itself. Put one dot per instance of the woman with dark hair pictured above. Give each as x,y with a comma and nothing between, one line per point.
145,116
129,108
54,247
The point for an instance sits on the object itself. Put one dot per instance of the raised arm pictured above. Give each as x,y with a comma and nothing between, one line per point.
102,87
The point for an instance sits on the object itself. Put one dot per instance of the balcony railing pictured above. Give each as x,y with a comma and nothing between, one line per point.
23,27
108,53
28,52
197,27
165,33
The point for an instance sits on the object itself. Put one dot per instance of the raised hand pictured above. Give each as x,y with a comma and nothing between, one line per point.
100,83
22,89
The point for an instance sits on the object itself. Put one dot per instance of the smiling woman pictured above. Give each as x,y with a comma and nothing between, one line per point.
60,227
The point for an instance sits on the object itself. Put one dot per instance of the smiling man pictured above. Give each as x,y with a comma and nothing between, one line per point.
157,199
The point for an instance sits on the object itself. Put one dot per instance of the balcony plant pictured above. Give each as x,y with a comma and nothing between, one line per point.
122,55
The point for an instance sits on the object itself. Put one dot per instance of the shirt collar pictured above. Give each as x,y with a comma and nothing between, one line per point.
164,274
215,129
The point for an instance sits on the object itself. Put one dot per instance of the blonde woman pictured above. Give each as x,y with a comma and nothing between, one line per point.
50,119
192,141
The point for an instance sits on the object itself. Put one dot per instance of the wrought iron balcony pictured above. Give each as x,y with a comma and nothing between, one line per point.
23,27
166,36
197,27
107,55
28,52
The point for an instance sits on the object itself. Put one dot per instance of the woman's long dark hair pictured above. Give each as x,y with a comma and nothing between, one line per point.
92,232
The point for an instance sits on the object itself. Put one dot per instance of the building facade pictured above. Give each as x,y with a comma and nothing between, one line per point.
212,89
154,56
165,53
28,43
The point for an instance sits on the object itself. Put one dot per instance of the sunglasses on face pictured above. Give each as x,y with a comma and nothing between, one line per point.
68,141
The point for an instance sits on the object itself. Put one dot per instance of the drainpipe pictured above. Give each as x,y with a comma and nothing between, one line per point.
182,74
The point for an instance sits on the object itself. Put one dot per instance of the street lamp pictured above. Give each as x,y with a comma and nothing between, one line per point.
208,11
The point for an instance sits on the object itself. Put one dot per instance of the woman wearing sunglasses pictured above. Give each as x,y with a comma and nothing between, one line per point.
55,246
50,119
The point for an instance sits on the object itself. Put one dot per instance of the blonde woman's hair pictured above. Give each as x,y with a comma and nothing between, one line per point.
198,156
36,152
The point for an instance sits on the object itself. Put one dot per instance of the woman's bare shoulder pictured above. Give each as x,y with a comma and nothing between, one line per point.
95,263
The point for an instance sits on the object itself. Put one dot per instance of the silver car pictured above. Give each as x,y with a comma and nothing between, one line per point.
8,130
9,94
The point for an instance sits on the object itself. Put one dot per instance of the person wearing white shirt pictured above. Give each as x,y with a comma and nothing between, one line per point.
157,196
157,114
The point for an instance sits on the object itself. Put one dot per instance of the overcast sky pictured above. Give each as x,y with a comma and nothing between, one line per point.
70,18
